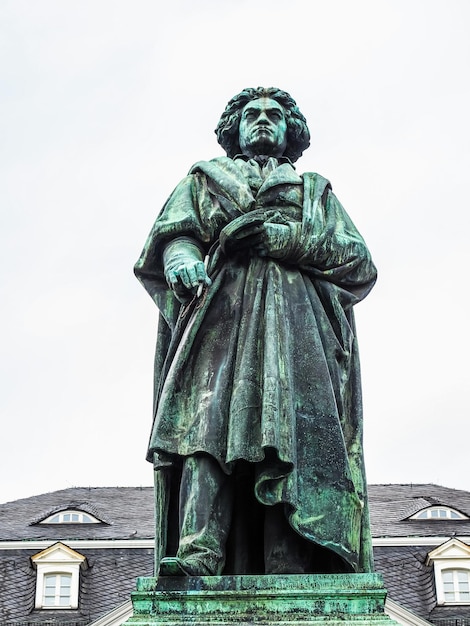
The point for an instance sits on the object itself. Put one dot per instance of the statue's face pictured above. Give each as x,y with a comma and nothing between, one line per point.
263,128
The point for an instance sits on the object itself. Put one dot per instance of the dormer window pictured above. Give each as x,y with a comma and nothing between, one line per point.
58,575
438,512
70,516
451,563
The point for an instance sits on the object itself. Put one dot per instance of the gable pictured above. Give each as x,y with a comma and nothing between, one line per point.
58,553
452,549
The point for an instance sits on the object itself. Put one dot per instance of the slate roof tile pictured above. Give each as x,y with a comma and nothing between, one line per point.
408,579
126,511
450,615
391,505
16,573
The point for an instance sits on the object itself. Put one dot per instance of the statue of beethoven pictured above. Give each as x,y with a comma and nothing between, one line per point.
257,432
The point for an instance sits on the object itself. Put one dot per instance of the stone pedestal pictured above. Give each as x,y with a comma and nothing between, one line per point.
305,599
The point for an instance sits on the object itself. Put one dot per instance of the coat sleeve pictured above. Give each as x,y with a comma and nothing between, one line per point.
183,215
336,253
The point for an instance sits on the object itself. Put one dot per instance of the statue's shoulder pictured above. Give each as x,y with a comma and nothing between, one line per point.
316,178
315,184
222,162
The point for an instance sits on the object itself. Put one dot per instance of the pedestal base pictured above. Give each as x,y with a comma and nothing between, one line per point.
305,599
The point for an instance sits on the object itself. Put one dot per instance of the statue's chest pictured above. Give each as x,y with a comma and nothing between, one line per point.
280,196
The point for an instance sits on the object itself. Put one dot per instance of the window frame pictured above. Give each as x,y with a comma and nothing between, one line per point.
455,571
426,514
58,587
54,569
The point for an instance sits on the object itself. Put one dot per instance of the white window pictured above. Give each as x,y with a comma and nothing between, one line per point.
57,590
58,577
438,512
456,583
70,517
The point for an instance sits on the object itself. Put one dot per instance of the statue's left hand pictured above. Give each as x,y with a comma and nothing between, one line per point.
267,239
273,240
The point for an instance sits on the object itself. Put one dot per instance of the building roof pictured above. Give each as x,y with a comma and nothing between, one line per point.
392,505
125,512
129,512
408,578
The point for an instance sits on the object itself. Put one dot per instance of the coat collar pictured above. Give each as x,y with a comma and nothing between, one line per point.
231,178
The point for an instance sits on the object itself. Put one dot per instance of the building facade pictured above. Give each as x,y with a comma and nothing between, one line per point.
71,557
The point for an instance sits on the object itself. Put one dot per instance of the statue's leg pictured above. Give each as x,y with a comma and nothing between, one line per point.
287,552
162,499
206,500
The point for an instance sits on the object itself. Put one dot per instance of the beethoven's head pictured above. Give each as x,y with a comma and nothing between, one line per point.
228,128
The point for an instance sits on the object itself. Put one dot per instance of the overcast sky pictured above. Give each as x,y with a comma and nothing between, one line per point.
104,107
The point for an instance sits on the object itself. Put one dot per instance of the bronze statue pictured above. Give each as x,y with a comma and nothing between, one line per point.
257,433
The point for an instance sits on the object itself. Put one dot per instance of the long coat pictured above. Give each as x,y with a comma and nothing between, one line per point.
264,364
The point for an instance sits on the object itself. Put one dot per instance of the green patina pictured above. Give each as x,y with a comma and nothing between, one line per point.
257,433
279,600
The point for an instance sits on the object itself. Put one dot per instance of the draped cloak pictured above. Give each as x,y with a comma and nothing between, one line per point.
263,366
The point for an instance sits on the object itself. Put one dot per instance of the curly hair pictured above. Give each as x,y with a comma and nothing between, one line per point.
298,136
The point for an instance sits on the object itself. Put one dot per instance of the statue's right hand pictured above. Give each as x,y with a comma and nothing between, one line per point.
184,268
188,274
185,278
